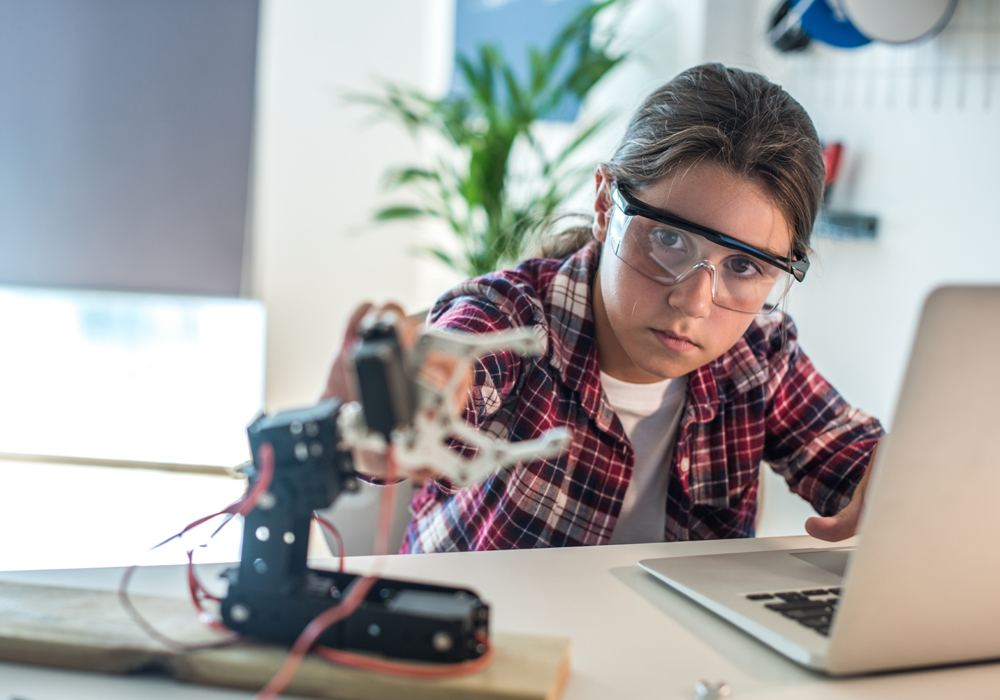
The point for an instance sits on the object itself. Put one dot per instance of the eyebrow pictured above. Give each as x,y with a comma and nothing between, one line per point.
682,220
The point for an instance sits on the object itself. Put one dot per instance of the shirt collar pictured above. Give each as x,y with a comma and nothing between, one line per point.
573,349
740,369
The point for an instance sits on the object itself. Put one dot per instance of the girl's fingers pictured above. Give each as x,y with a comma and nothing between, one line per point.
438,367
408,327
338,381
845,523
358,315
393,307
832,529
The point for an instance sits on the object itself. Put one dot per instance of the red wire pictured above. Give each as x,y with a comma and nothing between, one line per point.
349,603
200,593
356,593
266,458
240,507
336,536
163,639
317,626
395,668
197,587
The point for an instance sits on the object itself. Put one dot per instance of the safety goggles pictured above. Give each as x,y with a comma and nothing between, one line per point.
668,250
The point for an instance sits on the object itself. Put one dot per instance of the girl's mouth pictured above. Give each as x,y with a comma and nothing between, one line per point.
675,342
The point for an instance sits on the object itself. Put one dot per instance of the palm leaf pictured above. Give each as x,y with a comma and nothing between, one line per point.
401,212
469,185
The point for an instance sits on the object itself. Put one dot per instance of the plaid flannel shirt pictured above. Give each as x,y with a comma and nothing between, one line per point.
761,401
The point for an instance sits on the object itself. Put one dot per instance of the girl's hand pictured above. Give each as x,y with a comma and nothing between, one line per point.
845,523
339,384
437,369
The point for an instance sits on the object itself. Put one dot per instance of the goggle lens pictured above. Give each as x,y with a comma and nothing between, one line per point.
669,255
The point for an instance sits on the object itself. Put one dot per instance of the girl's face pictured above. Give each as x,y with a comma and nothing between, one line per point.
647,331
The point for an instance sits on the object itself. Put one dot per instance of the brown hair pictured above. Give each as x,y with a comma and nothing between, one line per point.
730,117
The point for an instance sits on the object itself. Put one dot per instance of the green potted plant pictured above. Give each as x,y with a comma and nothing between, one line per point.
471,185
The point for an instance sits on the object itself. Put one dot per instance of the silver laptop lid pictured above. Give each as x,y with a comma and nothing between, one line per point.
923,586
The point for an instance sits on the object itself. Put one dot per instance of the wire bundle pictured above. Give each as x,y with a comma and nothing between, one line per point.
306,641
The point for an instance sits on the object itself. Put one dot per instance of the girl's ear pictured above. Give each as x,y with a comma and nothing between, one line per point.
602,204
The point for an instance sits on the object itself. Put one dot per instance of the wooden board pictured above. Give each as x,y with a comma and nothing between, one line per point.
82,629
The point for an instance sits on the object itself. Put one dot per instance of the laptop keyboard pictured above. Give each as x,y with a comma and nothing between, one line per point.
814,607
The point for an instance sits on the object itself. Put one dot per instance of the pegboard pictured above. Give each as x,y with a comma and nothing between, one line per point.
959,69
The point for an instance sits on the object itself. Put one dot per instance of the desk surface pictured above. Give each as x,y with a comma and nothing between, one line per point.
632,637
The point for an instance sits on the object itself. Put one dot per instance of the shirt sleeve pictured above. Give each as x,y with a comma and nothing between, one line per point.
815,439
489,305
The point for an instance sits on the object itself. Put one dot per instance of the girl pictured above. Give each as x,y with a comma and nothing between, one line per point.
663,353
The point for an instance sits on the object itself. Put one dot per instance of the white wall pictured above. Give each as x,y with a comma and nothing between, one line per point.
921,125
319,164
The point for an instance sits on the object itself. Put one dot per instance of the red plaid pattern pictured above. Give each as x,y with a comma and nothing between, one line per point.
761,401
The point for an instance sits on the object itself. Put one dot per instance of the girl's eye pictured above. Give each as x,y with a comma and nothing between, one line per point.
745,267
668,238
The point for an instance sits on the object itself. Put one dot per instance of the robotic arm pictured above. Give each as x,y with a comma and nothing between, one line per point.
398,404
273,594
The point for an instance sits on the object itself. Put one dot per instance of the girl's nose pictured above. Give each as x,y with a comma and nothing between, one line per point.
692,296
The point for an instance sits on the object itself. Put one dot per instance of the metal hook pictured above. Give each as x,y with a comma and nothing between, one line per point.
706,690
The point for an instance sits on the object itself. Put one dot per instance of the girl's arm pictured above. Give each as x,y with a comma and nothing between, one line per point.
819,443
845,523
487,305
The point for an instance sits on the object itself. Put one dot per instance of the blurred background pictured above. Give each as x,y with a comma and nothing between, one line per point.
187,195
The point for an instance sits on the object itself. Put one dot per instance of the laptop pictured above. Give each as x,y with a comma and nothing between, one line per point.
922,586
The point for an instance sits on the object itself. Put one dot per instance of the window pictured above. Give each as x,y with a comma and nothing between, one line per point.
123,376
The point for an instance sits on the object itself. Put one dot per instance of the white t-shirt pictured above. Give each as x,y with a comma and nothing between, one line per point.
650,414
